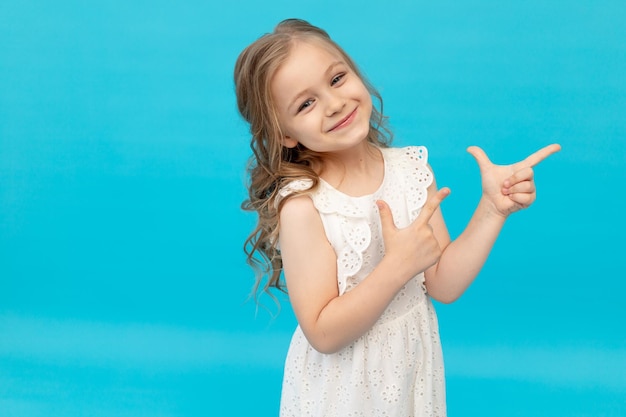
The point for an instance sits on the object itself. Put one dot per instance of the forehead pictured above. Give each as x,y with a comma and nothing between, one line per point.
306,63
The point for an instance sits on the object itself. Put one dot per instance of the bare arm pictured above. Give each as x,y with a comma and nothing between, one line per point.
462,259
506,189
328,320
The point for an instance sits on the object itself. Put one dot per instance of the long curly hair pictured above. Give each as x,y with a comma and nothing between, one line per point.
273,165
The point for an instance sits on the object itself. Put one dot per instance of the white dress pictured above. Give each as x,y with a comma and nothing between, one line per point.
396,368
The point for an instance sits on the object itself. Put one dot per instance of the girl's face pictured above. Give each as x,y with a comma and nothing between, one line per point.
321,103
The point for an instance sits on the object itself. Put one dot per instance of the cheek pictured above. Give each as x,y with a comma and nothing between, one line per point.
295,130
366,98
367,104
283,122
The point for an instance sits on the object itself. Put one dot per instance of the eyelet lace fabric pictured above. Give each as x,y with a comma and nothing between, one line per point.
396,368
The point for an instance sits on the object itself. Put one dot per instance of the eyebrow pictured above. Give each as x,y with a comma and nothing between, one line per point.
302,93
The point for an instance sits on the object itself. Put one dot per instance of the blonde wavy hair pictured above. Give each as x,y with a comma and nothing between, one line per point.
273,165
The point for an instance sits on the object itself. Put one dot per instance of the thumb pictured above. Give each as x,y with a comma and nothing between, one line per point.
480,156
386,218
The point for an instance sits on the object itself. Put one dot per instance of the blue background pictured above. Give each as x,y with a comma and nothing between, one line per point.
123,287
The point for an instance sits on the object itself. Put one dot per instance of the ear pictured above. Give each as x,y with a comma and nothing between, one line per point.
289,142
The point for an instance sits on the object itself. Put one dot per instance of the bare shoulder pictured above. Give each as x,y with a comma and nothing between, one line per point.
295,204
298,209
301,230
298,219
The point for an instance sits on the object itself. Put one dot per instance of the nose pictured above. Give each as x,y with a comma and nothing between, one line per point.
334,103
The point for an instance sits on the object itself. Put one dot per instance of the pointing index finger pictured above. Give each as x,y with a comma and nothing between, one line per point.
432,204
540,155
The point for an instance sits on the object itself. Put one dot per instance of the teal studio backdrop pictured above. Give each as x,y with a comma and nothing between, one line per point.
122,282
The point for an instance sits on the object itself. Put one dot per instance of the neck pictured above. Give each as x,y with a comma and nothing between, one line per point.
357,172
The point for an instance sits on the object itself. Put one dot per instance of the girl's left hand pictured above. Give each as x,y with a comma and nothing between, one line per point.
510,188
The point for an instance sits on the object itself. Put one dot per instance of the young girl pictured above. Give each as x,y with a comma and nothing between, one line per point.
355,227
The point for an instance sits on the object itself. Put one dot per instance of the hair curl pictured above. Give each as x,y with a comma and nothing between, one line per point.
273,165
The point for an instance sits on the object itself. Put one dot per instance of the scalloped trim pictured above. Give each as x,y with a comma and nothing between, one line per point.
416,166
405,168
292,187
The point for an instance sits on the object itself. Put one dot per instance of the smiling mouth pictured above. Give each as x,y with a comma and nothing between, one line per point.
344,122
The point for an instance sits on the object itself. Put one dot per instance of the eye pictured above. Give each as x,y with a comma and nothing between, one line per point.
337,78
304,105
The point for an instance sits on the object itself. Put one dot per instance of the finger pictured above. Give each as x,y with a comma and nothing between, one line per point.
432,204
523,199
386,218
524,187
540,155
524,174
480,156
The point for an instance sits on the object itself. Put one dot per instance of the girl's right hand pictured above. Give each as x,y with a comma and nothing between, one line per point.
414,247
